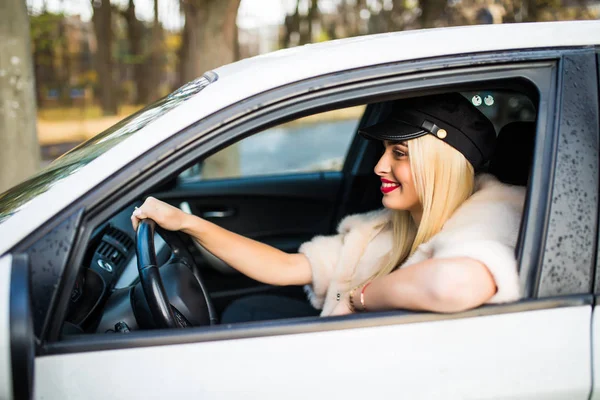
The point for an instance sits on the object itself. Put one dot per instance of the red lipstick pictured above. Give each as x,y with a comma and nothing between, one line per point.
388,186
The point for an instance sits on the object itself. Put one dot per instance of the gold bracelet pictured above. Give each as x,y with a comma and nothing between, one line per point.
362,296
351,300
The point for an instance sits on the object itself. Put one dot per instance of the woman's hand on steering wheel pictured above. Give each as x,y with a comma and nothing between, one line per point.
165,215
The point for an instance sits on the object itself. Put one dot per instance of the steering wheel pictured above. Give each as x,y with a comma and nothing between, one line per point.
190,304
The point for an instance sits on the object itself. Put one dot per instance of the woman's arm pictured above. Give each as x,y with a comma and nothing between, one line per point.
254,259
439,285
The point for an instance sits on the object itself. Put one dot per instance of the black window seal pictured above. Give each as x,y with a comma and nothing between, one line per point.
596,267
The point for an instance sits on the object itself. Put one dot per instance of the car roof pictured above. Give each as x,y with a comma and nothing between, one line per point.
248,77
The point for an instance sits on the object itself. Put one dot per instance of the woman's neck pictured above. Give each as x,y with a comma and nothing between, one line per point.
416,215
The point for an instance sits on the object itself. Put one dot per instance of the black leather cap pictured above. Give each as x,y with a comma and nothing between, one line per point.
450,117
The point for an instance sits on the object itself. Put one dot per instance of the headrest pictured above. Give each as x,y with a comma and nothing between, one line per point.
513,156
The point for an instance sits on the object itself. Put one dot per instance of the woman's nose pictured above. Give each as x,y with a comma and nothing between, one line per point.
383,166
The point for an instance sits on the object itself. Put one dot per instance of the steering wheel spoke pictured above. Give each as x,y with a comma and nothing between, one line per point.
185,283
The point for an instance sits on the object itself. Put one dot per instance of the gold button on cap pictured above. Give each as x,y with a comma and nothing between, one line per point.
442,133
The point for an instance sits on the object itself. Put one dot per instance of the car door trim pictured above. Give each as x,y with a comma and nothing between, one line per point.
87,343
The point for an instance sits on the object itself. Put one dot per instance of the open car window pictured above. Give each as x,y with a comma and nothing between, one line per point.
316,143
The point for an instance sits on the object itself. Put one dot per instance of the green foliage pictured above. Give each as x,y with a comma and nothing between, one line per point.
45,31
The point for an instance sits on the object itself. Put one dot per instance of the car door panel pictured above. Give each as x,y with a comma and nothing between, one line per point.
538,354
280,210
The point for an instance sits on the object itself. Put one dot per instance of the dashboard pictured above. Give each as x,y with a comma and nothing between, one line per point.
109,266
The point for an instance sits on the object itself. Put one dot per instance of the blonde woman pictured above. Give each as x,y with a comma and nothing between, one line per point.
444,242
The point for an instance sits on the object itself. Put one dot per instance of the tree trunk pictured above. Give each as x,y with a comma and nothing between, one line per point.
134,36
431,10
210,35
156,56
65,64
209,42
291,26
102,20
20,152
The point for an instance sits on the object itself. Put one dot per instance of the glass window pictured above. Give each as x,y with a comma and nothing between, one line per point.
315,143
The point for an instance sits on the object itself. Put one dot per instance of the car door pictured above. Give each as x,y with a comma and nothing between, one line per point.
537,348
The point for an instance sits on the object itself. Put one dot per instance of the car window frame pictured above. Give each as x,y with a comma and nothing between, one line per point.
597,270
498,64
569,258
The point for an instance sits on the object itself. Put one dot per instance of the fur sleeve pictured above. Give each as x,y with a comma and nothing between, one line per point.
322,253
497,257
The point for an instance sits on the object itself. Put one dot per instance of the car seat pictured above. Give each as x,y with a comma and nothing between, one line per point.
513,157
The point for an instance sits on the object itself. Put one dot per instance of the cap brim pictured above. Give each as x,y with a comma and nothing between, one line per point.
392,130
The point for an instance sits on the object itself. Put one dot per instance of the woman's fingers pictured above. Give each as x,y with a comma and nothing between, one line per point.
137,215
134,222
165,215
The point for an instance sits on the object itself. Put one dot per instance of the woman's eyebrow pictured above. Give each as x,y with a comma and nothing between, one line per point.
395,143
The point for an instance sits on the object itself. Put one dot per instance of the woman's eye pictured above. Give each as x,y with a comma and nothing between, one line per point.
399,153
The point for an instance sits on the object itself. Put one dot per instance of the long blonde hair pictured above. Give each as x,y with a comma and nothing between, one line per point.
443,180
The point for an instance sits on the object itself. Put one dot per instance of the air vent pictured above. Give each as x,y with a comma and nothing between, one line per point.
110,253
113,249
120,237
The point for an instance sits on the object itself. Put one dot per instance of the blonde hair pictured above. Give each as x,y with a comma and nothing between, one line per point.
443,180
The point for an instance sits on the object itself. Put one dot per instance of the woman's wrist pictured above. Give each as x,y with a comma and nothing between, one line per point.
190,224
357,298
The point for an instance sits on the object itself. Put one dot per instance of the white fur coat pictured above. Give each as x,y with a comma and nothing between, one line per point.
485,227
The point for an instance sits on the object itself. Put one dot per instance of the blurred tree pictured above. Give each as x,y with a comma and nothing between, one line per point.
291,26
136,55
209,36
209,41
19,153
102,20
156,53
44,37
299,28
431,12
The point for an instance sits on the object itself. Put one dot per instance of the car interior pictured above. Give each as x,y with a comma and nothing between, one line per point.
283,208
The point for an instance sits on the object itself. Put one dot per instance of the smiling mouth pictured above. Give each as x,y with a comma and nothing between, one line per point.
388,186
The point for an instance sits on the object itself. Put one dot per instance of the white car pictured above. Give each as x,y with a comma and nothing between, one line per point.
76,322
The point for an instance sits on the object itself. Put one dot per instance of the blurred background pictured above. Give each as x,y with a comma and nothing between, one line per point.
71,68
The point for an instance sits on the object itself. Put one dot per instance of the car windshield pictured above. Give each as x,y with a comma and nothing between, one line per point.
15,198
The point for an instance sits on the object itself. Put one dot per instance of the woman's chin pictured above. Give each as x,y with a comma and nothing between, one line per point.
392,204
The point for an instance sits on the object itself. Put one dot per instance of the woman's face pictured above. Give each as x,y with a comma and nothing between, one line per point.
397,183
